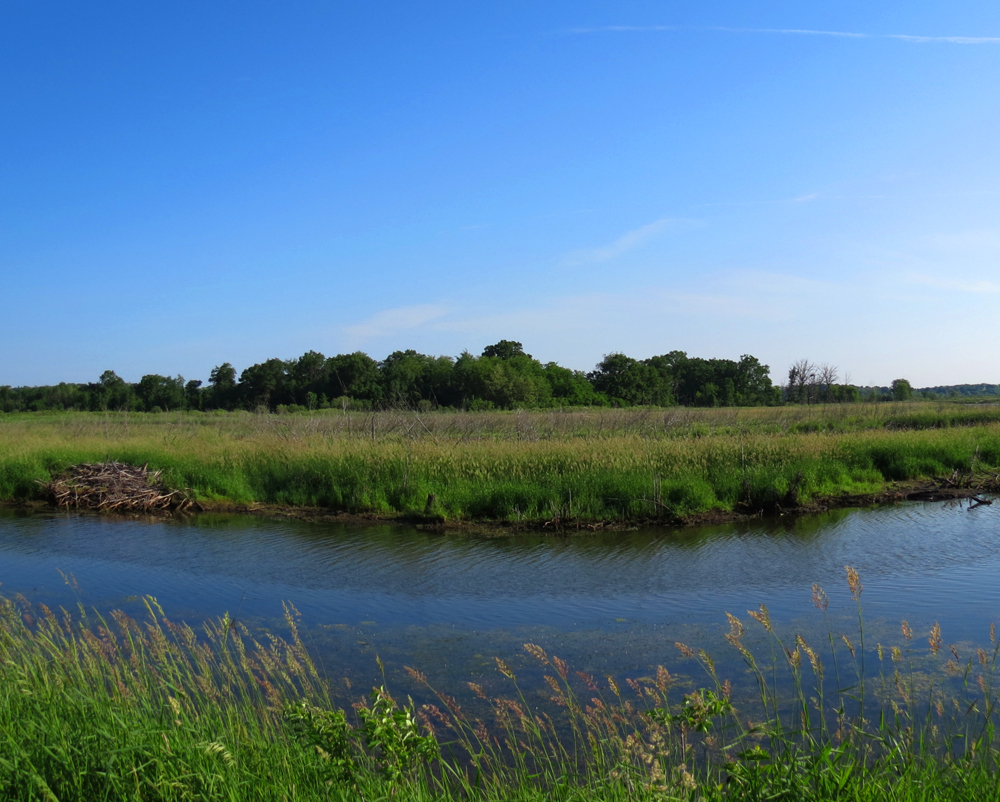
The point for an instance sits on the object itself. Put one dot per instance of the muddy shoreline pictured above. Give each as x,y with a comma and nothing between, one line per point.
926,490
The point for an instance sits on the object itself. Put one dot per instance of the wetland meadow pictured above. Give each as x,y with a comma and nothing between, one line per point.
501,605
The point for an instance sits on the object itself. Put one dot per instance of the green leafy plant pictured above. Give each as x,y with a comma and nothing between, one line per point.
393,733
328,735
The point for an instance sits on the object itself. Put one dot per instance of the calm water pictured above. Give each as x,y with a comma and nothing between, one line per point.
609,603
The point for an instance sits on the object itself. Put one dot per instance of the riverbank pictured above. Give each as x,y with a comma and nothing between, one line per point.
586,470
116,707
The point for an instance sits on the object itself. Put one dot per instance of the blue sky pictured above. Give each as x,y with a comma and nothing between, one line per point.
183,184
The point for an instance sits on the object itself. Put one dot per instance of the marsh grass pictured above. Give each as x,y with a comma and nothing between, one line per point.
583,466
95,708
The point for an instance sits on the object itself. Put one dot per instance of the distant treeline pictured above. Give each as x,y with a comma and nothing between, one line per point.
502,377
962,391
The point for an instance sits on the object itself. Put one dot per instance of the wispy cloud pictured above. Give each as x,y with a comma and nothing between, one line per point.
630,240
957,285
982,241
393,321
954,40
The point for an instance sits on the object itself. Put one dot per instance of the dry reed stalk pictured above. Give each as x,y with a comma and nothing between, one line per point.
115,486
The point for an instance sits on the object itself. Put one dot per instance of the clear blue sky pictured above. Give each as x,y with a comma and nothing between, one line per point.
183,184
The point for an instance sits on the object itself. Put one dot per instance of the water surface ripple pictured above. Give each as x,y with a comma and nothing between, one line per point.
609,601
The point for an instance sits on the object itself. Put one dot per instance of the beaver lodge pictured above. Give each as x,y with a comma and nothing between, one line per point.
115,486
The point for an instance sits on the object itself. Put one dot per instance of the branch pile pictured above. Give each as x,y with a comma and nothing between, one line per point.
116,486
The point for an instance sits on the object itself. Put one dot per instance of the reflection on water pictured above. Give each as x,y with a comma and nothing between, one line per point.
609,602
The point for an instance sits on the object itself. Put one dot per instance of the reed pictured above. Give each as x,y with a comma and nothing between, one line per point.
586,467
95,707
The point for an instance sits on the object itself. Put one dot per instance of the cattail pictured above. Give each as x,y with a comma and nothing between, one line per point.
820,599
854,583
935,638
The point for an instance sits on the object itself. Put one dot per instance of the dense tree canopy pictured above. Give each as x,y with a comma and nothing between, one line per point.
503,376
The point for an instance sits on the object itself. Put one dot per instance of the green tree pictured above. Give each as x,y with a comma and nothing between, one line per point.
501,382
753,382
571,387
112,392
222,390
505,349
307,374
164,392
354,376
901,390
265,385
628,382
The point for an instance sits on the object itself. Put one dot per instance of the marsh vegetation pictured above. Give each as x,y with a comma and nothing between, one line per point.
587,466
116,707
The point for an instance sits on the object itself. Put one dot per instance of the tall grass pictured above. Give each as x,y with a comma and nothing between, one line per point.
95,708
617,465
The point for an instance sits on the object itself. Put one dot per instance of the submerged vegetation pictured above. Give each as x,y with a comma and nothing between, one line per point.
117,708
585,466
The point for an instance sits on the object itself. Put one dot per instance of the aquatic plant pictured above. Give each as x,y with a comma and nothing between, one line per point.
119,708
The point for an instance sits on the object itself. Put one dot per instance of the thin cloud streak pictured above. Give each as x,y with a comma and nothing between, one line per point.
957,285
954,40
630,240
392,321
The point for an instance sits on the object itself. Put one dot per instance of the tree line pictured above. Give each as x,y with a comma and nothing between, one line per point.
502,377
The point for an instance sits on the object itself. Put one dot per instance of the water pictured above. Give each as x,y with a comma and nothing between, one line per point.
609,603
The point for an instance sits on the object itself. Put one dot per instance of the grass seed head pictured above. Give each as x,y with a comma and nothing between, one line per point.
854,583
934,639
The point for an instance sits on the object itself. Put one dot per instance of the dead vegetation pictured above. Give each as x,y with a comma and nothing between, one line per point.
115,486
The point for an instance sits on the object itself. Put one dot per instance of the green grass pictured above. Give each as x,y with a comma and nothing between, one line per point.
95,708
586,466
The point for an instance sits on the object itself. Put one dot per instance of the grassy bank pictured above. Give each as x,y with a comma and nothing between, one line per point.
589,466
125,709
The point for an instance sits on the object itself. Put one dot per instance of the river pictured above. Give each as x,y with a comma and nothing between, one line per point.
609,603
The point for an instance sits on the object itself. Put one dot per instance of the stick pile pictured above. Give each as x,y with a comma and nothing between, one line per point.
115,486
